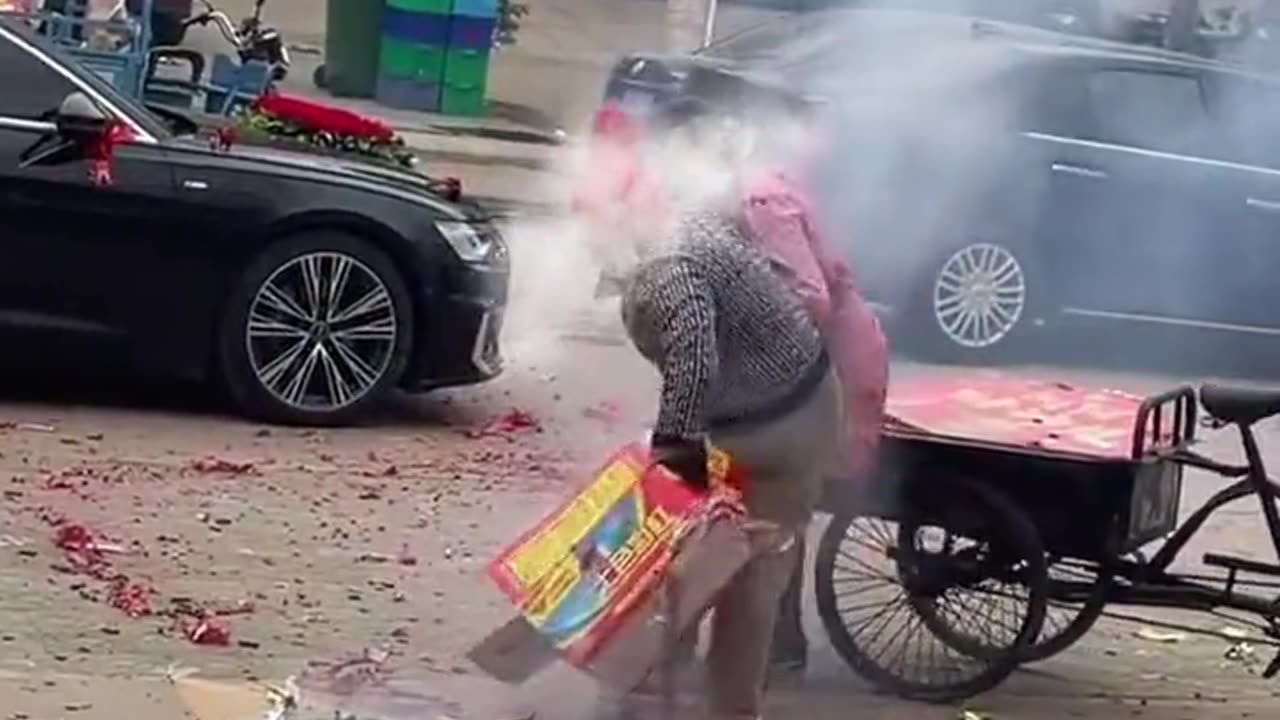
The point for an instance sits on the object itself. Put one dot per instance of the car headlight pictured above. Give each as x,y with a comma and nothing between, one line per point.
469,245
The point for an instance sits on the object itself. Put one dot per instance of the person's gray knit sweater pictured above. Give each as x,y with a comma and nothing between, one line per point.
729,338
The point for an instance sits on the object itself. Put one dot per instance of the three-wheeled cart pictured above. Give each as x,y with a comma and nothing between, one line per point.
1007,514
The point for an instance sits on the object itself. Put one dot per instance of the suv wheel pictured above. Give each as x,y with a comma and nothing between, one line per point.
319,328
973,300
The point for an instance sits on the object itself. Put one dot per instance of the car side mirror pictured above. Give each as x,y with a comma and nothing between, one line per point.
78,125
80,120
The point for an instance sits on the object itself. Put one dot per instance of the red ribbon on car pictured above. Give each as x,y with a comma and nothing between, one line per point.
224,138
100,153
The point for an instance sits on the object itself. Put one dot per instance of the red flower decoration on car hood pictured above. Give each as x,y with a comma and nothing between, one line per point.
323,118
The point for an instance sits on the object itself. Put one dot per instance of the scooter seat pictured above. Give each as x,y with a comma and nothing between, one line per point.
1244,406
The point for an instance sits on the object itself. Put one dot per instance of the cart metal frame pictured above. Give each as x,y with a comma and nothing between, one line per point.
124,67
1097,512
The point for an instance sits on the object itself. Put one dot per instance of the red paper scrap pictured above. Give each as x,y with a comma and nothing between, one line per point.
206,631
513,422
130,598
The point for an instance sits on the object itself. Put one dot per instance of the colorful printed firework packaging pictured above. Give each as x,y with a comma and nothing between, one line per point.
581,573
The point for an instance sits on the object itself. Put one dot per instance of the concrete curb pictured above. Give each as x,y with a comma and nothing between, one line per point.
509,208
497,161
478,151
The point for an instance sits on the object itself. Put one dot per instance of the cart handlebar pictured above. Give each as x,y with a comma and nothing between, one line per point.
1165,422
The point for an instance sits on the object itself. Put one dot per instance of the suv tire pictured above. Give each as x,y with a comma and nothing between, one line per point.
971,303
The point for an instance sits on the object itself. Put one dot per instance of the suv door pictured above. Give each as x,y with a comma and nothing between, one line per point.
72,249
1134,198
1244,110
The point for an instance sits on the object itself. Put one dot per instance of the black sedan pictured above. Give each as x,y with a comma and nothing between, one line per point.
311,287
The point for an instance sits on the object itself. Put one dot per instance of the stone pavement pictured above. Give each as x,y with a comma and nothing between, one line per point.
312,531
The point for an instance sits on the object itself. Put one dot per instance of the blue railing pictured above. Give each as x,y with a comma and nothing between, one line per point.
115,49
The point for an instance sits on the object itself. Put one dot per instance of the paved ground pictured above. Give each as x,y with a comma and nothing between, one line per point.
319,544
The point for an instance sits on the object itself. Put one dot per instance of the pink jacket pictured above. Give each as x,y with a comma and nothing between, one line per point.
783,221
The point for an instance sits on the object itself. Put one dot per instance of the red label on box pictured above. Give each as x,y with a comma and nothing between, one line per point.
579,572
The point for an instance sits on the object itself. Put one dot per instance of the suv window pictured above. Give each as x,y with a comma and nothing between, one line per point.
28,87
1244,109
1155,110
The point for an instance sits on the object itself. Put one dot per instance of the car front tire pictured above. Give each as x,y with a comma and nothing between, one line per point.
972,303
319,328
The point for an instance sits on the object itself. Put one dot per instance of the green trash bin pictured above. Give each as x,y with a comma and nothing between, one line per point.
352,44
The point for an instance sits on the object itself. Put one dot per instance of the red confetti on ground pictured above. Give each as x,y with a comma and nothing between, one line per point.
206,631
514,422
84,555
130,598
222,466
73,537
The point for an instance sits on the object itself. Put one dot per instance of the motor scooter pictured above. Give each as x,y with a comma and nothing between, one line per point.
253,39
263,61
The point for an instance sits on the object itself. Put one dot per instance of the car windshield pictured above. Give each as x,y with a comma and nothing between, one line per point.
149,121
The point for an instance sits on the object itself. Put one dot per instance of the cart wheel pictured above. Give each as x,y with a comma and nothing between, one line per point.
891,593
1078,595
320,78
1076,598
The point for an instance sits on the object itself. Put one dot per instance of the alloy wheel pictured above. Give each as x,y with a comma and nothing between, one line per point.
321,332
979,295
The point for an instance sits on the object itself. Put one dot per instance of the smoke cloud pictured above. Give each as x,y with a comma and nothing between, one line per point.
916,148
895,109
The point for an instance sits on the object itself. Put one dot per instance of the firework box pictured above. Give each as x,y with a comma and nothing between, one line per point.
589,581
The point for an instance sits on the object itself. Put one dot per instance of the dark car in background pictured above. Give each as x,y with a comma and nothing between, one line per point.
994,183
309,287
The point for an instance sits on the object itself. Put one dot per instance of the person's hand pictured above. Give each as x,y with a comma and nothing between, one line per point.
685,457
